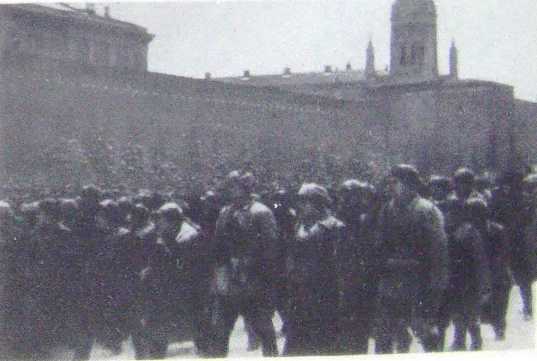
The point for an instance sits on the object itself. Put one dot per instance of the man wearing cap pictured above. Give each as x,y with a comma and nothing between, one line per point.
413,265
355,254
172,284
245,241
464,189
513,210
469,273
313,281
51,242
90,238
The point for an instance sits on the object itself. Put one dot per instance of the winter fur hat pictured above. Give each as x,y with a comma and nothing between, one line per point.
315,193
464,176
476,208
171,210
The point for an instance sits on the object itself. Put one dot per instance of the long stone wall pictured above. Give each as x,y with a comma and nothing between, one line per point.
47,106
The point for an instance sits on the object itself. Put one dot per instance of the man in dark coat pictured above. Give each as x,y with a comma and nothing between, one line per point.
90,237
49,277
245,241
356,273
451,205
497,250
469,273
175,287
117,277
512,210
413,265
286,218
312,276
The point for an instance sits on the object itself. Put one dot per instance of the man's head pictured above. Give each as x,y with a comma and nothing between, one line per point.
49,211
6,213
464,181
512,181
240,186
139,215
70,211
354,194
314,201
405,182
476,211
170,215
440,187
30,213
90,198
109,214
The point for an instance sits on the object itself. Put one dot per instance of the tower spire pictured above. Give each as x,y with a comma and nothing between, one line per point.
453,60
370,61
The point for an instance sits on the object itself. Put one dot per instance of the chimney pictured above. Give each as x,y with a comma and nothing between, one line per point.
107,12
348,67
327,69
286,72
208,76
246,75
90,8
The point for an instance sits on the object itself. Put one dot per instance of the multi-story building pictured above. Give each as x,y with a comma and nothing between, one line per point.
73,35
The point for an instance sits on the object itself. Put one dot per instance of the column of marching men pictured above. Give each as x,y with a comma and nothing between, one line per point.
391,263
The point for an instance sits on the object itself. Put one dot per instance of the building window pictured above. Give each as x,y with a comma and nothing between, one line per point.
84,50
403,56
421,55
413,54
112,55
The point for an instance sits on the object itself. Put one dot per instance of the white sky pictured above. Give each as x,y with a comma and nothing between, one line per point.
497,39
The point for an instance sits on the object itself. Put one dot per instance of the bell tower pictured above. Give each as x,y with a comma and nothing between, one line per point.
414,54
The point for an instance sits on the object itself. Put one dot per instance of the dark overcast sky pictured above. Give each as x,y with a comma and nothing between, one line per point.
497,39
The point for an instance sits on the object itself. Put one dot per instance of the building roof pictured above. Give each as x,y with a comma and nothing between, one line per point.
289,79
78,15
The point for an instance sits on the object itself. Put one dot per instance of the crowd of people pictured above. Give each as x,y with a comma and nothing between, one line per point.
399,260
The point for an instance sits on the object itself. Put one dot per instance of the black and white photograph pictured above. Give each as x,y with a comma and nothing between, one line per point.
232,178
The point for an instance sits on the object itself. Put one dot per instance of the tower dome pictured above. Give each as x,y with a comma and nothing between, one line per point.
414,40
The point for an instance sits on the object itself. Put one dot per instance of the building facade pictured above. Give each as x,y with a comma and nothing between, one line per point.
72,35
69,108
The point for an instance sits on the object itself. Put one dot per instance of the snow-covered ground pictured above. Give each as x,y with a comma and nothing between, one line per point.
520,336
